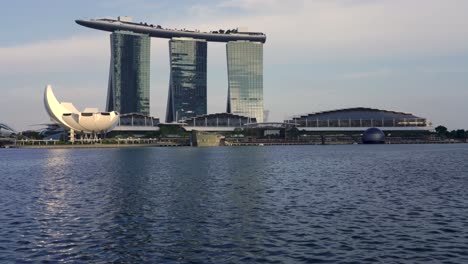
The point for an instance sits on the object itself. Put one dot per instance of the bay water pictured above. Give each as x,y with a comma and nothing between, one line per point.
278,204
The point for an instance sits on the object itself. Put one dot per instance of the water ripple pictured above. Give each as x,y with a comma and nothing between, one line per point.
298,204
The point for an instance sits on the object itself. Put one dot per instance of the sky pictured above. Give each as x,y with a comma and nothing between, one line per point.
400,55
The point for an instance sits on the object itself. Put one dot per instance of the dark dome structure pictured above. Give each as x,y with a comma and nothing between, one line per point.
373,135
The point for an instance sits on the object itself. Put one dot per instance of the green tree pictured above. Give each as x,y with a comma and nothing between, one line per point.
460,133
441,130
292,133
31,134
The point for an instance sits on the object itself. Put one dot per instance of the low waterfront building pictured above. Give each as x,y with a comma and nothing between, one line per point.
136,125
137,122
217,122
360,119
267,129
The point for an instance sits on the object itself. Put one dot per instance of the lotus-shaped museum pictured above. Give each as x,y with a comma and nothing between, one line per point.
90,121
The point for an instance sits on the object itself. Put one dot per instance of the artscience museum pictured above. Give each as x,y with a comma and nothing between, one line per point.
88,124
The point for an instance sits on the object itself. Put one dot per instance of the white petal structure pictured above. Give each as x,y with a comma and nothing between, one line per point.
88,121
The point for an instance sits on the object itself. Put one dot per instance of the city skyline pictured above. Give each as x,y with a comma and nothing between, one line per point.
187,96
321,55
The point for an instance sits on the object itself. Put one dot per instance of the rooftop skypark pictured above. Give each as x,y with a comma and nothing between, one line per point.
157,31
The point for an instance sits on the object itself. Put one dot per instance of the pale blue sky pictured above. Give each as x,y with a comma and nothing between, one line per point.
402,55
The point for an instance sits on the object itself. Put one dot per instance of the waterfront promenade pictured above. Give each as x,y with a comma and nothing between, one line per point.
143,143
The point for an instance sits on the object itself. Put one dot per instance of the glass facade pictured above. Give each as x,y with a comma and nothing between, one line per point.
129,75
219,120
187,83
245,79
135,119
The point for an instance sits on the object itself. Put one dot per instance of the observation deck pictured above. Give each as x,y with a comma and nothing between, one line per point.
159,32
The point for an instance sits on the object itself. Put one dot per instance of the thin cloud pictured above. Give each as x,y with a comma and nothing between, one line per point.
305,30
262,6
59,55
366,74
438,70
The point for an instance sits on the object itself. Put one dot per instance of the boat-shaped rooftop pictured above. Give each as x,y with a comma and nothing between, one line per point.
158,31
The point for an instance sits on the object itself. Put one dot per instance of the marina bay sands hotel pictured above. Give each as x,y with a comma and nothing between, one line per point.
129,75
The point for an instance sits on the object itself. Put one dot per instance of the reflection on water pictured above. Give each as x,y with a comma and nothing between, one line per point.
55,208
55,181
212,205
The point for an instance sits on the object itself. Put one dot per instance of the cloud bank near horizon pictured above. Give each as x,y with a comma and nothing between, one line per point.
328,30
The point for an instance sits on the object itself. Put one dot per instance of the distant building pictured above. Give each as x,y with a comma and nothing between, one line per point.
134,122
266,114
267,129
54,131
88,123
217,122
245,79
129,75
187,83
6,131
359,119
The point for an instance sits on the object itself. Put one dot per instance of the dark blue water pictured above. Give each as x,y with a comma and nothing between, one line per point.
388,203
